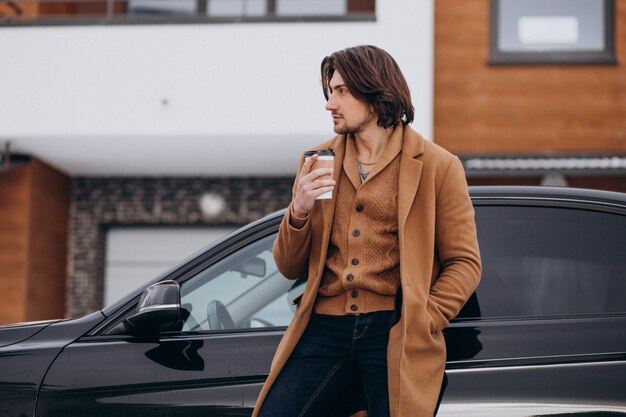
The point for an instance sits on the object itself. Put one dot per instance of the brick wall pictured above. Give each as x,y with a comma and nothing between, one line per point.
101,202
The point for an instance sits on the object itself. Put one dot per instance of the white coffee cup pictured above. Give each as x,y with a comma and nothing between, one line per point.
325,159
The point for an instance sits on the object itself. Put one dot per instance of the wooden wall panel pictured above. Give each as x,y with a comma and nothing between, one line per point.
14,201
361,6
19,10
34,213
481,109
84,7
49,218
34,9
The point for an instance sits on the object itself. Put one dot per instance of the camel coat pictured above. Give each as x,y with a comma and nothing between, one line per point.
439,268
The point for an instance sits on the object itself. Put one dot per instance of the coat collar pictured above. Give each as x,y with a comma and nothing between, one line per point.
410,173
349,163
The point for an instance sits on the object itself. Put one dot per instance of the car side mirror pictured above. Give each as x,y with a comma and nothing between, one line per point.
158,310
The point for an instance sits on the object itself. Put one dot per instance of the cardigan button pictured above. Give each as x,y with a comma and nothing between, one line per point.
350,277
353,307
359,208
355,261
354,294
356,233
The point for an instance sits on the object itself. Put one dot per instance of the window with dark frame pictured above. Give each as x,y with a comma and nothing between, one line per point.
71,12
552,32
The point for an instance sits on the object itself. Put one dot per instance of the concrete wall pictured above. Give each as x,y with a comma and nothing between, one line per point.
232,84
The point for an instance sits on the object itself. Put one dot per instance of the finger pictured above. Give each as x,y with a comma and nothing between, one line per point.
322,190
323,183
308,163
308,186
315,185
321,172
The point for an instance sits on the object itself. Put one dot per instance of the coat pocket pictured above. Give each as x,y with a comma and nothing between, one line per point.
437,321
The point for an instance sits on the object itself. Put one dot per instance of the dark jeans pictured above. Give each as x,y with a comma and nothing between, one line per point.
336,356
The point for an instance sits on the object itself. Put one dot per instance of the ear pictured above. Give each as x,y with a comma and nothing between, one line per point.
373,113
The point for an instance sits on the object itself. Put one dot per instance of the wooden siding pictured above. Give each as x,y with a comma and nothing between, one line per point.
482,109
14,203
34,214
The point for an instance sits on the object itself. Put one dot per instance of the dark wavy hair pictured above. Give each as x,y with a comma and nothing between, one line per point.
373,76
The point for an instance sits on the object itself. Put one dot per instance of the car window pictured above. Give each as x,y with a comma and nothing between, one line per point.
243,290
542,261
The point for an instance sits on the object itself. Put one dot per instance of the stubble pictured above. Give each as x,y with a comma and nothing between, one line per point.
357,127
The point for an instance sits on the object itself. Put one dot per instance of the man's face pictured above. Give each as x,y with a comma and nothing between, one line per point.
349,114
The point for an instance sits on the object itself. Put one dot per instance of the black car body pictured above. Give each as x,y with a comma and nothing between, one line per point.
544,334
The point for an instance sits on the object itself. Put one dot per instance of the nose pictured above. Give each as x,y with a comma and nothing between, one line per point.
331,104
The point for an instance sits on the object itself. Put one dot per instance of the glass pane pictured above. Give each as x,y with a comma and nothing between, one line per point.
558,25
540,261
241,291
160,7
311,7
222,8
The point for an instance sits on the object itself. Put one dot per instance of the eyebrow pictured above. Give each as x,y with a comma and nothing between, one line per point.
337,86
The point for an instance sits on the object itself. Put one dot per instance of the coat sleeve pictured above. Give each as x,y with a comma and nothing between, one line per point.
457,248
293,244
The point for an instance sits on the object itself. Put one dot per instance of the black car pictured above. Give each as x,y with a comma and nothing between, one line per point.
544,334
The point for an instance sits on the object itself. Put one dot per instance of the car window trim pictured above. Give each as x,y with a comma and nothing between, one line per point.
603,206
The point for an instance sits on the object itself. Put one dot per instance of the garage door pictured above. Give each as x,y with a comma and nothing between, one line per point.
135,255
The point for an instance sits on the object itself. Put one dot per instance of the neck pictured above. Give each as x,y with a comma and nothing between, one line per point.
371,143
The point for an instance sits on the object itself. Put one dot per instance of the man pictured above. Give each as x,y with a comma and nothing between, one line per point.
390,259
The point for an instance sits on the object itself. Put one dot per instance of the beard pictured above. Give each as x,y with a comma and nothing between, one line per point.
352,128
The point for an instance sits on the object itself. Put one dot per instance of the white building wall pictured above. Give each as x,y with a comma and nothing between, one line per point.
124,96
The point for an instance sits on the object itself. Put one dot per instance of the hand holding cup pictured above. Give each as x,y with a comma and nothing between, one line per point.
315,181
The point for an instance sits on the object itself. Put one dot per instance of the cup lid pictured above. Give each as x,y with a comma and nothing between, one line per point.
321,152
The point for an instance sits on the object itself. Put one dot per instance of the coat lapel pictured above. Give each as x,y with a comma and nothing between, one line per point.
328,206
410,173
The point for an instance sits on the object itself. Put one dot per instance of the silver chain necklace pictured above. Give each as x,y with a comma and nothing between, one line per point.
362,175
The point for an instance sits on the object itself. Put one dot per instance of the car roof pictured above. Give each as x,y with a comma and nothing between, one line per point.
548,194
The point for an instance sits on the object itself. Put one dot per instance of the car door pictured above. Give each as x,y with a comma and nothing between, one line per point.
214,366
545,332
